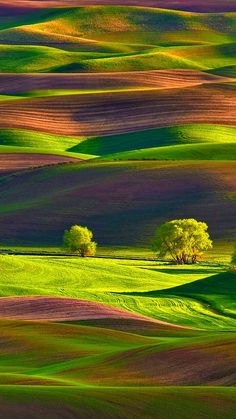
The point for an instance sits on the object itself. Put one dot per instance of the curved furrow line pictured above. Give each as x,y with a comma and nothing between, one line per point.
159,79
10,162
59,309
111,113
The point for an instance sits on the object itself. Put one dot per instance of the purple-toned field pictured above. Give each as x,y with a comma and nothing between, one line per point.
13,84
13,162
54,309
81,114
135,195
21,6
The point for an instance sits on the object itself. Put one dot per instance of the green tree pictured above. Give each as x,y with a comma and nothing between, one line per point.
184,240
233,260
78,240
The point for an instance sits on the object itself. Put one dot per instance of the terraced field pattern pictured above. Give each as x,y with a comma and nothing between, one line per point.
117,115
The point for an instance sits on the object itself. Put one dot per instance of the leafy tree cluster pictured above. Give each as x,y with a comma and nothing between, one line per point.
234,256
184,240
78,240
233,260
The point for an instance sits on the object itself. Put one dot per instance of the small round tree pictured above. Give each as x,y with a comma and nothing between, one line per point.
78,240
183,240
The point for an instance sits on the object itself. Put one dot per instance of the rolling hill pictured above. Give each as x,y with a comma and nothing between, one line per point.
22,6
98,352
128,193
80,114
160,296
200,142
54,401
116,38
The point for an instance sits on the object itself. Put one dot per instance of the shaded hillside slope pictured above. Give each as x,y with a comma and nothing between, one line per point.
198,141
136,195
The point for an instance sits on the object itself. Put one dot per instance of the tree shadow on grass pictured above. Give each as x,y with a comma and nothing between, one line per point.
181,271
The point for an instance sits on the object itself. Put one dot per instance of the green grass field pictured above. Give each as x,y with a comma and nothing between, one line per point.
23,141
159,291
90,365
186,135
226,151
113,38
188,142
42,59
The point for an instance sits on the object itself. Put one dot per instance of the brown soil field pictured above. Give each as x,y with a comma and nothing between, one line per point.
209,363
113,113
61,309
11,84
136,325
20,161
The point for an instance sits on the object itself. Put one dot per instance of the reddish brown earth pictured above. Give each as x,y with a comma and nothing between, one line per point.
24,380
148,328
209,363
11,84
189,5
113,113
59,309
13,162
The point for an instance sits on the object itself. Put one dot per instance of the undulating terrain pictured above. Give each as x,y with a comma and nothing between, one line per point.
117,115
